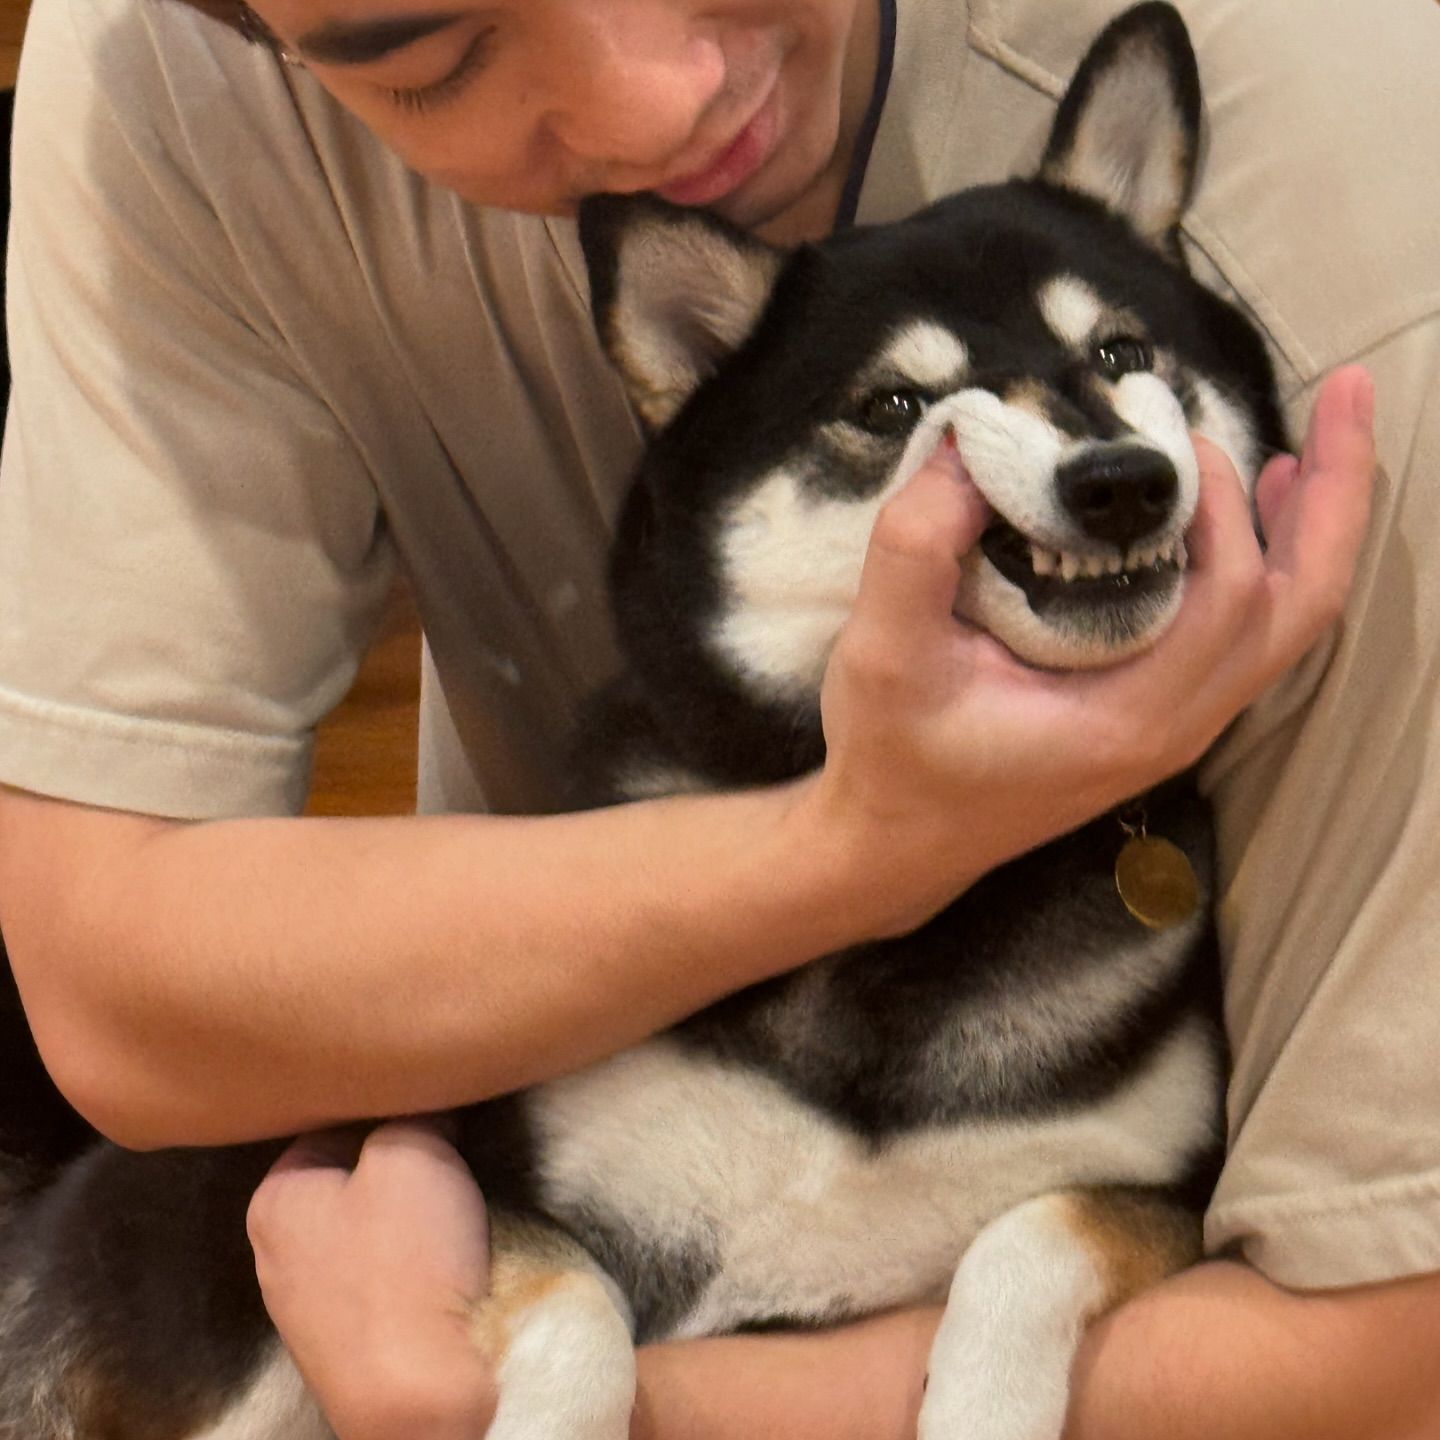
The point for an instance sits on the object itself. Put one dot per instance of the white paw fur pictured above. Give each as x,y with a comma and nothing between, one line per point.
1000,1365
569,1367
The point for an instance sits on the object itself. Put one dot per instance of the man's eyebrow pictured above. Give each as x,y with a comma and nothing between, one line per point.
358,42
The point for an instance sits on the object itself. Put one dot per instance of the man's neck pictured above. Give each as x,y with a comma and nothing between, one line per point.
813,215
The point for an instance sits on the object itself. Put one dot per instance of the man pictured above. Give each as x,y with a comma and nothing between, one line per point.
261,356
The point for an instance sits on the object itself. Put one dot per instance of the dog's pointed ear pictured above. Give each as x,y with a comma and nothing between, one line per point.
1128,130
673,291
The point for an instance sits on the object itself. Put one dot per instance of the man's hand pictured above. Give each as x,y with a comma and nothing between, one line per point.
369,1257
945,750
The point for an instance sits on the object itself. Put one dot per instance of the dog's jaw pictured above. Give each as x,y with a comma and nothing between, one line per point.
1089,631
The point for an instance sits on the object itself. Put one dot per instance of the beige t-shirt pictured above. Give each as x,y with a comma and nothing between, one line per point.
256,360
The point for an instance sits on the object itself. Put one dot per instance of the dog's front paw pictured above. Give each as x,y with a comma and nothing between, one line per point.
994,1403
567,1367
1000,1364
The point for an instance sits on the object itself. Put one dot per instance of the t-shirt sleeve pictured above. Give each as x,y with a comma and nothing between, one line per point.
1330,916
191,550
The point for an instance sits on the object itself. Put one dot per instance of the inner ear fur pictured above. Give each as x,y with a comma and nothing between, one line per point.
673,291
1128,130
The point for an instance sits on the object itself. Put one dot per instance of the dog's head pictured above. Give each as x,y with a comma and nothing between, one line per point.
1048,322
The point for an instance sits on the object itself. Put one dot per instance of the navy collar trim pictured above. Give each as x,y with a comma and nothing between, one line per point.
865,140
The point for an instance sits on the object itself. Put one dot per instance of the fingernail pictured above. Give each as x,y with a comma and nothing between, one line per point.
946,455
1364,400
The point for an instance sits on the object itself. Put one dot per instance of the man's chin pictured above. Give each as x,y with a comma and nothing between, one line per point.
779,197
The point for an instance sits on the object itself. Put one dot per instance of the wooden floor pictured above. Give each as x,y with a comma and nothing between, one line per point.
12,27
365,753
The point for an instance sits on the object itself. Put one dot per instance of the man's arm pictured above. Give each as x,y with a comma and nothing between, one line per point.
215,982
1219,1351
1215,1353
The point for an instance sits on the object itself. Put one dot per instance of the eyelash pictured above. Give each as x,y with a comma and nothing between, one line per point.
425,97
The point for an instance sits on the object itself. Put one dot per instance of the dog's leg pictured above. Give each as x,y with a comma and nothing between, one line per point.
557,1331
1021,1298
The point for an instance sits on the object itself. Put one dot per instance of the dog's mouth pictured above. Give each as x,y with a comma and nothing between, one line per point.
1082,580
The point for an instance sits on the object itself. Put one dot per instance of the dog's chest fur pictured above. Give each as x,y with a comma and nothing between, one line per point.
766,1207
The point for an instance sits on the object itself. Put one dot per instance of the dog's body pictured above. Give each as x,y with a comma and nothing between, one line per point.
1018,1103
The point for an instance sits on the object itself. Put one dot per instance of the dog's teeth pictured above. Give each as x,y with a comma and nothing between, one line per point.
1115,564
1044,561
1166,552
1094,566
1069,566
1182,555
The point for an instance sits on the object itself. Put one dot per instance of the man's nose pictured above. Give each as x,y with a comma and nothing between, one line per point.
637,93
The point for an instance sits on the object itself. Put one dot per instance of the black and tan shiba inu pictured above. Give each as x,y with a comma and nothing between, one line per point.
1018,1104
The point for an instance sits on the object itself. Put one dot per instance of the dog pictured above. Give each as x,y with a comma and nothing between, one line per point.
1019,1104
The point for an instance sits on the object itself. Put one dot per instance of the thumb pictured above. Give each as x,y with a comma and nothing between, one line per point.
1320,518
336,1149
912,564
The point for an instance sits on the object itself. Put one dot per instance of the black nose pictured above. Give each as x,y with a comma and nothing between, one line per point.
1119,493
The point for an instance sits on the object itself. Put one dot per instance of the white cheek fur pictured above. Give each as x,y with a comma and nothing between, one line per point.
1224,422
791,563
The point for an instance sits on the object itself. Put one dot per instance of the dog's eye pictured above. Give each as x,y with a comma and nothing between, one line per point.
1123,355
891,411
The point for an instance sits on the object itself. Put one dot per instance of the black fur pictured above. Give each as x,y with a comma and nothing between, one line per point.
38,1128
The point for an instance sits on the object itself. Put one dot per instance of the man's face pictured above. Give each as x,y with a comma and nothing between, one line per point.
532,104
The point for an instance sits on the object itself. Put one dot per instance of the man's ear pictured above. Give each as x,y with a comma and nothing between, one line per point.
1128,130
673,291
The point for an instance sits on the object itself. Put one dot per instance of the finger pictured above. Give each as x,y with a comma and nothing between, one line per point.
422,1134
1273,489
409,1167
444,1123
312,1171
1319,526
1340,437
912,563
401,1153
1220,543
1224,576
334,1149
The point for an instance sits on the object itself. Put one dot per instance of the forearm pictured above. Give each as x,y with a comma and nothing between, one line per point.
860,1382
1218,1353
215,982
1214,1354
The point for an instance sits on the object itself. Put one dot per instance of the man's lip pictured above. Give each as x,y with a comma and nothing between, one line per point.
735,164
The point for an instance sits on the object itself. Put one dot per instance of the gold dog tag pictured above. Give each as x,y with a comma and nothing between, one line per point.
1156,882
